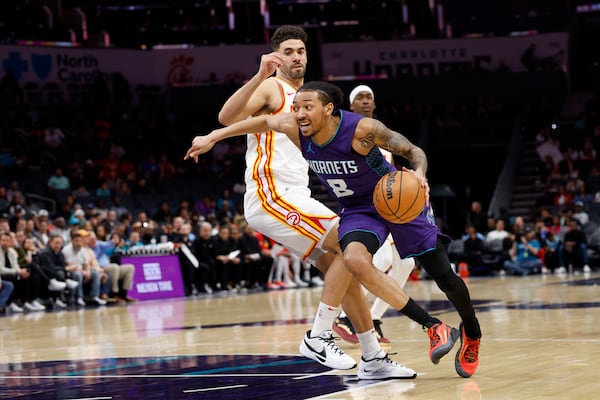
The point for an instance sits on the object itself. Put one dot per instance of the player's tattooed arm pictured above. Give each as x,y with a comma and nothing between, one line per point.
398,144
371,132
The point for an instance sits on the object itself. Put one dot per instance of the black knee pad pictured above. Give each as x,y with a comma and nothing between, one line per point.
367,238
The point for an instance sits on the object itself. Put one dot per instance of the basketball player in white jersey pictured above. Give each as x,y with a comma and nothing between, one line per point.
278,204
362,101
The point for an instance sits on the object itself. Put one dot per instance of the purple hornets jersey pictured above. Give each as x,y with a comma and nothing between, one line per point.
351,178
348,176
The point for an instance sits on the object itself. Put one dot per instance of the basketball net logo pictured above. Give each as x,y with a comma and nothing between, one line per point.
293,218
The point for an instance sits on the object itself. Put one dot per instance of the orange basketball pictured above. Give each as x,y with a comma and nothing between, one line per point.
399,197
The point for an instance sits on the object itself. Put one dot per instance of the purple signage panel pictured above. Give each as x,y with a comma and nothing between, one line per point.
156,277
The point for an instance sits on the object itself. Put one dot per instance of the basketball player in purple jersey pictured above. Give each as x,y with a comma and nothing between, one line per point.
362,101
341,148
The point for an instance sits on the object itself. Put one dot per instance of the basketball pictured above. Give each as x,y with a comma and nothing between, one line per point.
398,197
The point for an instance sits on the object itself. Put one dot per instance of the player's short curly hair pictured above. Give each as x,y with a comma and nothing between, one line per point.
286,32
327,92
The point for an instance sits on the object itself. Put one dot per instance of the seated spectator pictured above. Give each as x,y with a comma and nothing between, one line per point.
498,233
16,214
176,234
81,270
100,232
550,260
10,271
545,217
226,258
187,260
94,266
556,228
120,276
81,194
13,190
58,182
77,218
582,196
225,197
54,265
256,261
474,247
164,213
42,234
103,191
183,207
563,197
27,252
118,208
134,240
580,214
61,229
4,225
238,277
202,247
225,213
479,234
524,254
108,223
477,217
517,227
573,251
207,205
6,289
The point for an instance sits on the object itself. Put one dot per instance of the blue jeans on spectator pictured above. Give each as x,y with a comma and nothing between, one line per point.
94,284
78,276
523,267
577,256
5,292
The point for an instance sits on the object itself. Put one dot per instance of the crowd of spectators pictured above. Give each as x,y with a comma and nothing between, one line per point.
119,170
563,235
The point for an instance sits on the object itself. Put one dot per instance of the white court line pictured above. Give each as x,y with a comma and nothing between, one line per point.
143,376
214,388
315,375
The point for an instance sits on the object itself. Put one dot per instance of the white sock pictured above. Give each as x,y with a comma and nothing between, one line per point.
272,272
295,264
324,319
369,344
282,265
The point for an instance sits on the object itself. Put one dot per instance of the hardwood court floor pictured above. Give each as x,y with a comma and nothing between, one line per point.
541,341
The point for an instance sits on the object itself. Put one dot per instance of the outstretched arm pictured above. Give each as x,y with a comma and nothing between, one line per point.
285,123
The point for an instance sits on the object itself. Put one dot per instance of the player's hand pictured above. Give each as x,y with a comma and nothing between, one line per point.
200,145
269,63
422,179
